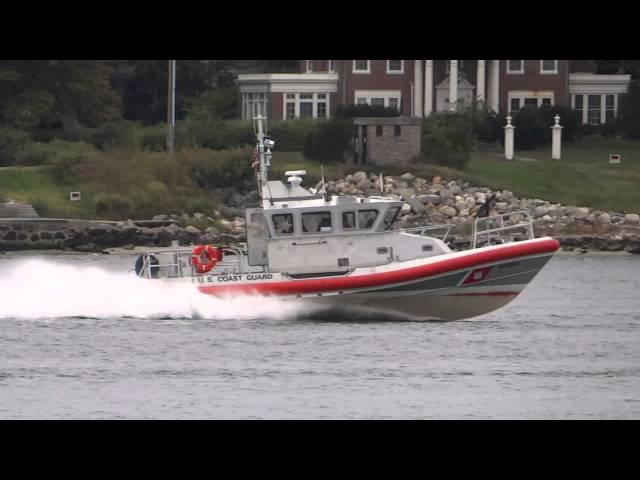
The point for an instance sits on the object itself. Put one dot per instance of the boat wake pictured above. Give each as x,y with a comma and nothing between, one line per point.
43,289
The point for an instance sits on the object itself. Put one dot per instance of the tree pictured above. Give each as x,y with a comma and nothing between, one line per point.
37,92
629,111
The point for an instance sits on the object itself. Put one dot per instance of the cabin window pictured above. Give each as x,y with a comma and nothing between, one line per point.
390,217
283,223
366,218
316,222
348,220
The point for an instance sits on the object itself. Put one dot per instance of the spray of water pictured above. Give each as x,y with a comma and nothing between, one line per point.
35,288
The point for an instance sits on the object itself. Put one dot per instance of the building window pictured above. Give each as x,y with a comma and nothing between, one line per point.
515,66
610,111
291,110
306,105
322,110
521,99
361,66
254,104
309,66
306,109
378,130
332,66
397,131
548,66
379,98
395,66
577,102
593,111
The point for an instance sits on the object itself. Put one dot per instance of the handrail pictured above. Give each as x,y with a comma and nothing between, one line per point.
501,228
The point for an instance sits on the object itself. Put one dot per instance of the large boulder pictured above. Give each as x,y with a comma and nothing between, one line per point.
632,218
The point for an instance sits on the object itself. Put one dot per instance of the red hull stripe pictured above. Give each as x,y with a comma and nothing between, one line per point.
320,285
492,294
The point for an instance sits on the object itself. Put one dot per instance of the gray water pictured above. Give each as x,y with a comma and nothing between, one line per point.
80,338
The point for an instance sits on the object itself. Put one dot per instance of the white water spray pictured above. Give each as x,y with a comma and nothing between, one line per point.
35,288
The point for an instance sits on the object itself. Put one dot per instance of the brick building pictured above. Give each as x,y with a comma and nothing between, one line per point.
418,87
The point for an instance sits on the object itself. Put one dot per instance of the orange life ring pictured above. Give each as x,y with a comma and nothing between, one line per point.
205,257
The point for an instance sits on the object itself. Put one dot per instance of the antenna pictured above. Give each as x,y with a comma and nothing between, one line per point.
324,188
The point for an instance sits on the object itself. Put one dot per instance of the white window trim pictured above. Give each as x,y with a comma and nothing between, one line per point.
368,70
515,72
367,95
314,100
263,102
395,72
331,66
603,106
549,72
309,66
530,94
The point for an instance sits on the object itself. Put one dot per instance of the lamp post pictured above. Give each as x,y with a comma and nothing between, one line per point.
171,107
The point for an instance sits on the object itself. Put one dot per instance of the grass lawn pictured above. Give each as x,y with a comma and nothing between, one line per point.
33,185
583,177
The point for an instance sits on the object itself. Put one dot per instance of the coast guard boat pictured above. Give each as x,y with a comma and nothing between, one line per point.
343,251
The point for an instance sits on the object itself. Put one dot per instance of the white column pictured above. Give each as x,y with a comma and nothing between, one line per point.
494,85
453,85
428,88
508,139
556,138
480,84
603,109
417,86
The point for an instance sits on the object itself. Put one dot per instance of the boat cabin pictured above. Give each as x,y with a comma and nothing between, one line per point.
304,231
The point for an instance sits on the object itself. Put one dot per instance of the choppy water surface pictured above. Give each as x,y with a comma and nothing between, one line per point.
80,337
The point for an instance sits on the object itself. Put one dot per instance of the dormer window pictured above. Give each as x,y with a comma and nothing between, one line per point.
395,66
362,66
515,66
548,67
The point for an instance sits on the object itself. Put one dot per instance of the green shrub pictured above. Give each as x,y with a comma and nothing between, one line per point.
62,156
531,128
609,129
329,141
228,168
41,206
153,138
290,135
485,123
569,119
629,111
587,129
215,134
121,133
447,138
112,205
12,141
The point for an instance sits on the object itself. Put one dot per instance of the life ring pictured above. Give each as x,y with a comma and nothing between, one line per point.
205,257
